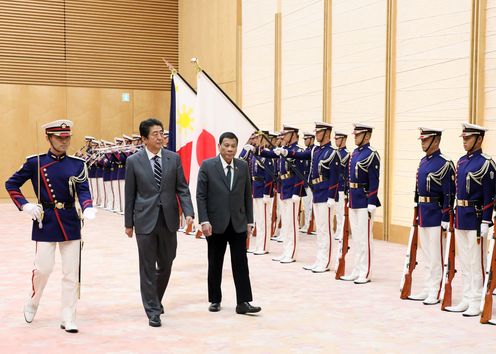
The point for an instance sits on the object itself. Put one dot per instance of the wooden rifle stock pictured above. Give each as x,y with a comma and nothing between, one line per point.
489,284
449,267
273,226
343,243
411,258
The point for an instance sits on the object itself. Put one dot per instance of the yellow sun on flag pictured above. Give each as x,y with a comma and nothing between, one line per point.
185,119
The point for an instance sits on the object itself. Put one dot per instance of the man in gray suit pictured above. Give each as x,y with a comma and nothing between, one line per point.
154,182
225,209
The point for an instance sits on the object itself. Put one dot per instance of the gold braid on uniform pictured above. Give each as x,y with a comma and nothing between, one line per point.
437,177
479,175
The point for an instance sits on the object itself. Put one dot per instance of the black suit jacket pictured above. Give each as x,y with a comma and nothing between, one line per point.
217,204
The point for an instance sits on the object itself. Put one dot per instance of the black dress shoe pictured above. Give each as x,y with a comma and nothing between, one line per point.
214,307
245,307
154,321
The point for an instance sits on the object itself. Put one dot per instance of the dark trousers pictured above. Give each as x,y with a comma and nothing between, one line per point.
217,244
157,251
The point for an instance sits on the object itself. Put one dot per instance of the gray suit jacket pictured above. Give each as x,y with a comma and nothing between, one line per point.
143,196
217,204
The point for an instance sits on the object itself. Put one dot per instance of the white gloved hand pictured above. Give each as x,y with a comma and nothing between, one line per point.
444,225
371,208
89,213
278,151
266,199
484,229
249,147
284,152
33,210
331,202
295,198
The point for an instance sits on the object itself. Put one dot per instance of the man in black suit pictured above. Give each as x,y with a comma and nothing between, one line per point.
154,183
225,210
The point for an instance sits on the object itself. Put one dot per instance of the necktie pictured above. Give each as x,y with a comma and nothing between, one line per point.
228,176
157,170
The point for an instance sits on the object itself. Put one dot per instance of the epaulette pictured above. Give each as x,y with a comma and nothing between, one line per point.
75,157
35,155
372,148
486,156
445,157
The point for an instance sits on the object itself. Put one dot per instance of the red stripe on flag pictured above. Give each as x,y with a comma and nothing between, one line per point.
185,155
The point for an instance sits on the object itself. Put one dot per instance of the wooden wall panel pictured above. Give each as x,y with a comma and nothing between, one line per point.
91,43
207,31
95,111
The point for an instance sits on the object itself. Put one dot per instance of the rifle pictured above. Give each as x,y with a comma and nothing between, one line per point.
410,259
489,284
343,243
448,266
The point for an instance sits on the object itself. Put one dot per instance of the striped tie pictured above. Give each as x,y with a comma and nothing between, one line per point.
157,170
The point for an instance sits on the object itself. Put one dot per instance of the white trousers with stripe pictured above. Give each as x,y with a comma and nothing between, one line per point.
339,216
289,228
100,192
43,266
263,221
109,195
472,257
362,241
324,235
432,257
117,196
307,205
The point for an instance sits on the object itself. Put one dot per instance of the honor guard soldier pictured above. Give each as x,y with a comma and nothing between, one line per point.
434,195
118,174
363,183
291,190
323,178
308,140
60,182
473,215
340,138
262,181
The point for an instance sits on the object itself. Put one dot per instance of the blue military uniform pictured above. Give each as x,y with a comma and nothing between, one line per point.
323,180
57,194
363,176
434,194
363,183
63,183
291,189
475,188
262,179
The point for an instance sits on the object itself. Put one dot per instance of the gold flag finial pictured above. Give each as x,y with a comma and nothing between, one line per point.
196,63
170,66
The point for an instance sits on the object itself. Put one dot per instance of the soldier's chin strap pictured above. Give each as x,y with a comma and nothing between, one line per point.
432,141
473,145
363,138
